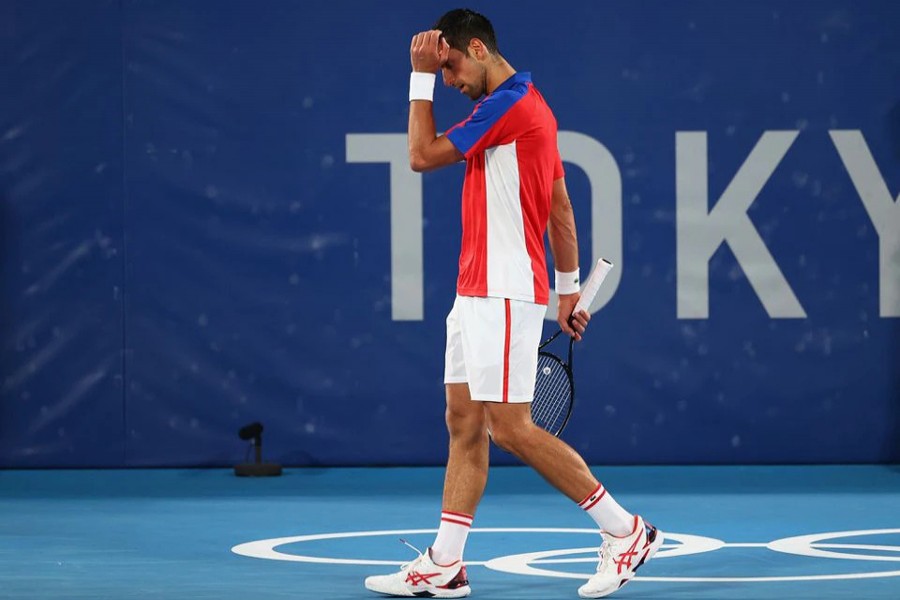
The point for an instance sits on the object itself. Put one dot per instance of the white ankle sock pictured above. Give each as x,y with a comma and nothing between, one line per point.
451,538
607,513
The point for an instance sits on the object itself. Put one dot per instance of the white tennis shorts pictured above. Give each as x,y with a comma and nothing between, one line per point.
492,344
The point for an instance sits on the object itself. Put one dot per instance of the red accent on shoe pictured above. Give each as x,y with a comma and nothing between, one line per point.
624,559
457,582
431,556
414,578
651,537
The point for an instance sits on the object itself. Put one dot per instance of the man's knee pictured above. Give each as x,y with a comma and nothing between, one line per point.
506,436
465,423
510,426
465,419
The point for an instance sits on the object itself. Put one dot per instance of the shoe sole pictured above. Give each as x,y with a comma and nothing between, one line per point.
451,594
457,593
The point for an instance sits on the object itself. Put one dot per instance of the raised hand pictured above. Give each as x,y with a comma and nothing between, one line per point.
428,51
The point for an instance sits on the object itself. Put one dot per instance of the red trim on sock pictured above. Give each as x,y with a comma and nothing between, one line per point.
455,521
594,503
588,497
456,514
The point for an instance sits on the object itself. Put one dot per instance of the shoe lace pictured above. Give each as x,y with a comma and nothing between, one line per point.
605,553
609,549
409,565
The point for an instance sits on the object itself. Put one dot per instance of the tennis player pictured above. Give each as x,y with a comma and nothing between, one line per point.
514,191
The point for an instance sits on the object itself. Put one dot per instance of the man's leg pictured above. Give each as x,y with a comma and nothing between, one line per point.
467,464
439,572
466,476
628,541
512,429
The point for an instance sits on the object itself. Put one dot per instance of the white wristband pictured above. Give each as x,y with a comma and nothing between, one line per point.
567,283
421,86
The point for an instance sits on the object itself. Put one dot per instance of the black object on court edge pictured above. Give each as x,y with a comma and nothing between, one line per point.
253,433
554,389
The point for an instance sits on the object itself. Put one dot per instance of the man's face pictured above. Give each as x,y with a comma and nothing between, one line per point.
465,73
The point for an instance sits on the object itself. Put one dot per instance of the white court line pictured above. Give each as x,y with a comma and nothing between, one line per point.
521,564
857,547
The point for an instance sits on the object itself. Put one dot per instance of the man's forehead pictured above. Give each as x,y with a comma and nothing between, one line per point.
455,55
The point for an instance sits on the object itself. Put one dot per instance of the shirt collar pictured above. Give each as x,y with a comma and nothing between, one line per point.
521,77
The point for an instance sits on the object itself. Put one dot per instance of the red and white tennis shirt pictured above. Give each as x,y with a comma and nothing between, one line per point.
512,160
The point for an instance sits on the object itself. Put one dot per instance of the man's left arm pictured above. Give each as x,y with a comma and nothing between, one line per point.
427,150
564,246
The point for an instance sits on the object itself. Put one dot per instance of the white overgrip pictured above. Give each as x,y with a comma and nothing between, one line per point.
592,286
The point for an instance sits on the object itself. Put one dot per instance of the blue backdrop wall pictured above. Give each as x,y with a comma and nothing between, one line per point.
207,219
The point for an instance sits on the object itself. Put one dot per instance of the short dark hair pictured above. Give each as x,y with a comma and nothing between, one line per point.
459,26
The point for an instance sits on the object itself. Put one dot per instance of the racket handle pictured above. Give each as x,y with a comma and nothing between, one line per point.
594,281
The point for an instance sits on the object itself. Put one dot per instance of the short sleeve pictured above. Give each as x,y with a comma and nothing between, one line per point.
482,128
558,171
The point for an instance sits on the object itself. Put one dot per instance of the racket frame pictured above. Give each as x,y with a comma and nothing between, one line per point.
567,368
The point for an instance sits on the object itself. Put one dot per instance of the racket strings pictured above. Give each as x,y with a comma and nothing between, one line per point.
552,394
552,406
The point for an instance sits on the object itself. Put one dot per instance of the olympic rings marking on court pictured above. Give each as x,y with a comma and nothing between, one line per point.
521,564
802,545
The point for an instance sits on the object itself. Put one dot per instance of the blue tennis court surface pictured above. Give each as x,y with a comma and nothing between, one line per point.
748,533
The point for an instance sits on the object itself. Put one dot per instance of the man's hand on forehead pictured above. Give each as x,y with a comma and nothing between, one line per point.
428,51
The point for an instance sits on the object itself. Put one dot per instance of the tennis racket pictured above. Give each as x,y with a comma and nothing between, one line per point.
554,389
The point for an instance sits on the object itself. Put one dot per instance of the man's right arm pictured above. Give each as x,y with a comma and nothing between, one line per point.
427,151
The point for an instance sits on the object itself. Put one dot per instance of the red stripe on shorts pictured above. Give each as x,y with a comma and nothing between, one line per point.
506,354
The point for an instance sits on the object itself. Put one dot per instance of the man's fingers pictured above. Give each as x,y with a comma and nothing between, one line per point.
577,324
581,317
426,46
434,43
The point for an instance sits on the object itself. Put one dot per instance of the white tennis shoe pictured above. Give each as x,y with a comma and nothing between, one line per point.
422,578
620,557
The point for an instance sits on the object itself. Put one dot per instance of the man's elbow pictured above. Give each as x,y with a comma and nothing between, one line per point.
417,163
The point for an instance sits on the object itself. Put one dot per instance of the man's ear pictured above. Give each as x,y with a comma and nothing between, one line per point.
478,49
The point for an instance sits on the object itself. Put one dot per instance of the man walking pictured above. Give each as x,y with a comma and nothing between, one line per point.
514,191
